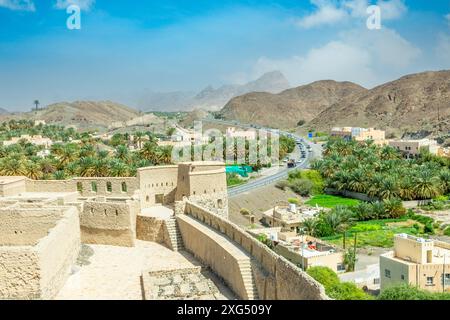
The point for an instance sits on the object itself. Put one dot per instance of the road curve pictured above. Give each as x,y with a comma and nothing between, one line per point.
282,174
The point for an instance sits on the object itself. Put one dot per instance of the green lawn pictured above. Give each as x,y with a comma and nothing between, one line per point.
376,233
327,201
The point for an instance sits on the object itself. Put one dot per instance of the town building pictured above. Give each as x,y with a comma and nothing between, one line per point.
37,140
303,250
234,133
360,134
412,148
419,262
289,217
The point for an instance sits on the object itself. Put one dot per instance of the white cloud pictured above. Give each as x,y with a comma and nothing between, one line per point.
392,9
367,58
327,13
83,4
331,12
19,5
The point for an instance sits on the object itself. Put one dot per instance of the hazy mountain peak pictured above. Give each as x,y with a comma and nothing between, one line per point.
213,99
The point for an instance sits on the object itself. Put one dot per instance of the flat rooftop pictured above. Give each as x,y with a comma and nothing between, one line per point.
5,180
114,273
160,212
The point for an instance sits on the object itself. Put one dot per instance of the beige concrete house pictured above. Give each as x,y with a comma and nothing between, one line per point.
234,133
360,134
289,217
36,140
412,148
303,251
416,261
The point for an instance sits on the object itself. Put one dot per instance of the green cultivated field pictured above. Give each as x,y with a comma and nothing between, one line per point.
376,233
327,201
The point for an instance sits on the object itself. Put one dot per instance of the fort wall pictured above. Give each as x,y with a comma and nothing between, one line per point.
157,185
37,266
276,277
109,222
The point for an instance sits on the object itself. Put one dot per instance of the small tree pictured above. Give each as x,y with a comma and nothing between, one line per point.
245,212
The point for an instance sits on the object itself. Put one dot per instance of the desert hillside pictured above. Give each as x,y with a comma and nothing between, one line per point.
417,102
82,114
286,109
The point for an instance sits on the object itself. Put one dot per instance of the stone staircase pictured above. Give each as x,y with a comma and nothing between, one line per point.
175,239
249,280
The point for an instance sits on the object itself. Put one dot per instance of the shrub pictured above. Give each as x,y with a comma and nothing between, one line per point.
364,227
347,291
302,187
312,175
429,229
245,212
294,201
324,275
406,292
447,232
282,185
334,287
301,123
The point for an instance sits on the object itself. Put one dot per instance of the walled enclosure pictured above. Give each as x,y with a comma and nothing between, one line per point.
37,250
275,277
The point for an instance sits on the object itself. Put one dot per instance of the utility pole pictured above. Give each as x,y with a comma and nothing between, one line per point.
443,275
354,253
345,235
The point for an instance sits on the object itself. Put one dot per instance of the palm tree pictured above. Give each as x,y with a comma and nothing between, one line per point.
165,155
122,153
36,103
59,175
389,153
148,152
310,226
138,136
338,219
87,167
12,166
47,166
363,211
445,180
388,189
406,188
33,170
118,169
426,185
358,181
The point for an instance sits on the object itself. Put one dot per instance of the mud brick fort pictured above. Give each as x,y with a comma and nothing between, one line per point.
44,226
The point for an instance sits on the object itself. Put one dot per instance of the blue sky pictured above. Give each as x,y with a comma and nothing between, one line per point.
126,48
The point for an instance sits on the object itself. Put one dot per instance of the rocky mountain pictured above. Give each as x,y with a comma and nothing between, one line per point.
3,111
417,102
288,108
82,114
211,99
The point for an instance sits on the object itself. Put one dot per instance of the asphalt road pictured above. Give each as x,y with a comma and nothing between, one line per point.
283,173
